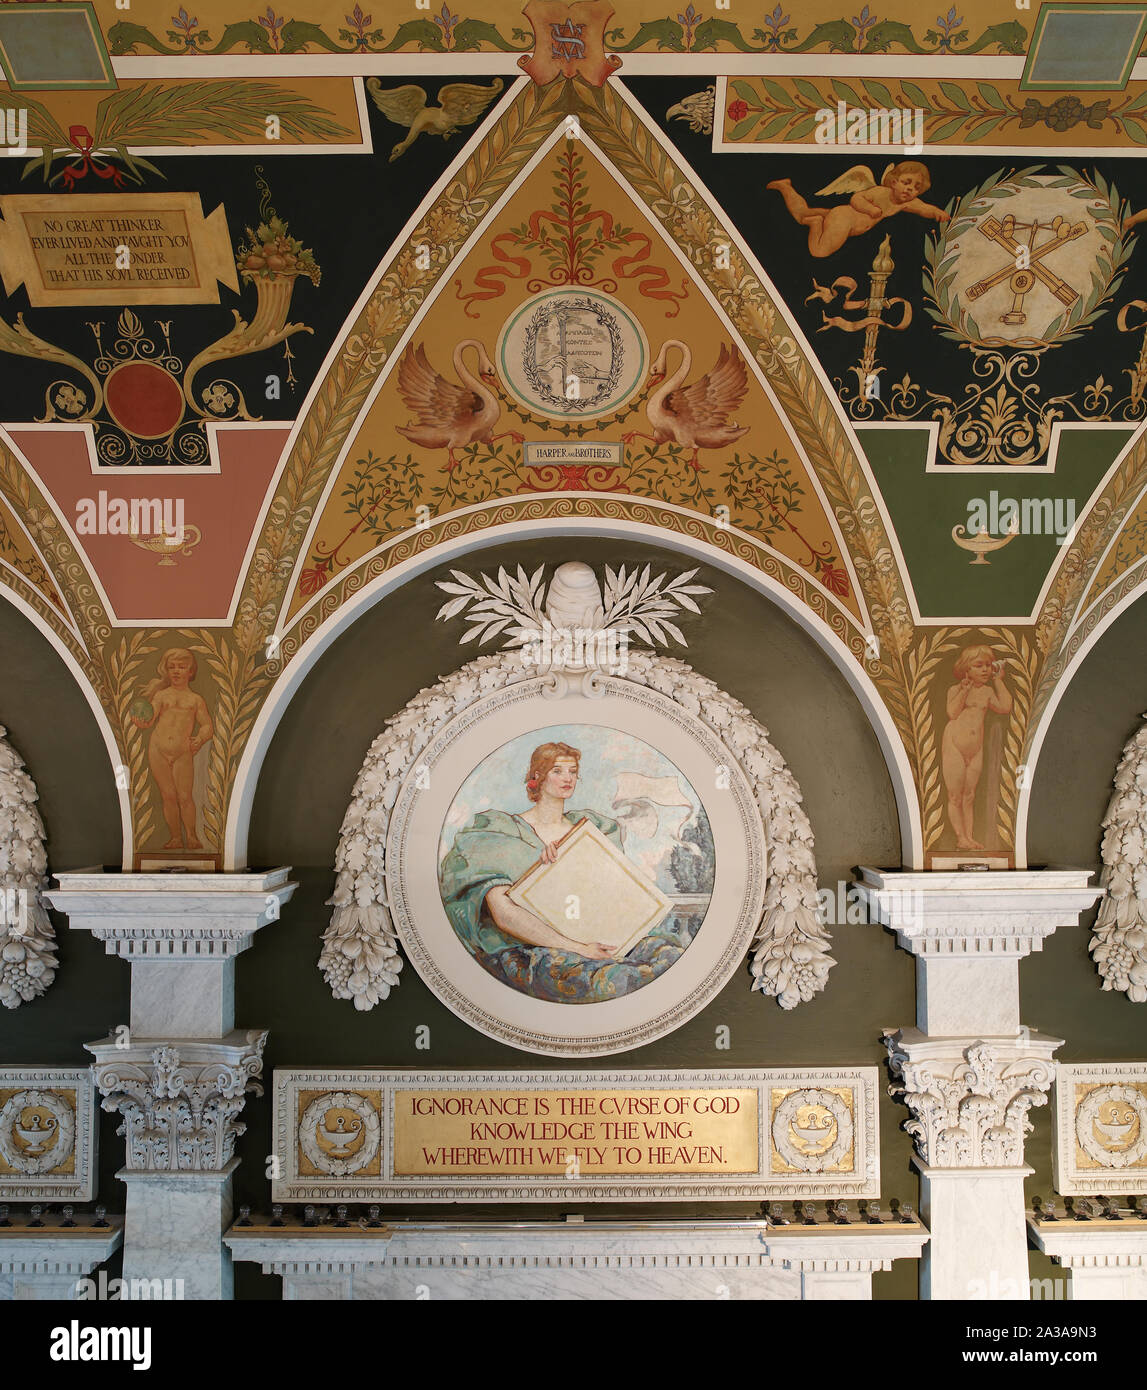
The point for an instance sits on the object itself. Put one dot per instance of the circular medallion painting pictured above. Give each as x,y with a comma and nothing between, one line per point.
572,354
573,875
576,863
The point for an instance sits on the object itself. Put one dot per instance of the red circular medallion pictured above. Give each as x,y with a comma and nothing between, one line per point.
144,399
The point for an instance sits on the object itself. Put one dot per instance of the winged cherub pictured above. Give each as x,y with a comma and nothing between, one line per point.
459,104
898,191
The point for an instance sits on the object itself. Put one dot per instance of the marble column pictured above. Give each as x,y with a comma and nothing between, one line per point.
970,1071
179,1072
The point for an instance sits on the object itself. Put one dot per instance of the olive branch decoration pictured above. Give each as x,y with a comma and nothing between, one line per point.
514,606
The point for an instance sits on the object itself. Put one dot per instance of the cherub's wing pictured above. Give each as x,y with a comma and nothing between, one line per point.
398,104
888,168
464,102
854,180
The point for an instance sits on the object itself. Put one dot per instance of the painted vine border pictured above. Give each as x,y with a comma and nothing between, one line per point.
765,110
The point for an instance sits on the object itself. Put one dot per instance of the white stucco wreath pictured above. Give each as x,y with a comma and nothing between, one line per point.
27,941
1119,938
360,959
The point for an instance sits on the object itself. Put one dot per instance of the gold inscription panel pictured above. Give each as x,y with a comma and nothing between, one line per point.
96,248
575,1133
408,1134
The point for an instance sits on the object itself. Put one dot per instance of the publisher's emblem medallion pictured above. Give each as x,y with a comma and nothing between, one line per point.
572,355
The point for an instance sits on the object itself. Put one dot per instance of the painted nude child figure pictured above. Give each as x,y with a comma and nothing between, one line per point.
980,688
898,191
181,725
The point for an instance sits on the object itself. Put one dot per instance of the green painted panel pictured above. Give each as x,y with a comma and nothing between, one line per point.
924,508
53,46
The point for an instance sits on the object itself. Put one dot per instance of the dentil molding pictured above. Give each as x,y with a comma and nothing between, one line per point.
172,917
992,913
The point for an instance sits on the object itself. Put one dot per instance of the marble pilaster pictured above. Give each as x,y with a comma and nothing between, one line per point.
970,1071
179,1073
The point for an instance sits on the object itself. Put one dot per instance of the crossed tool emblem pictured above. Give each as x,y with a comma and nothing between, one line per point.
1027,267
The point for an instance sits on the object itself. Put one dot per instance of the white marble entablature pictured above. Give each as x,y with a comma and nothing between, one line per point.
1110,1247
598,1259
1107,1259
47,1264
837,1250
992,912
192,917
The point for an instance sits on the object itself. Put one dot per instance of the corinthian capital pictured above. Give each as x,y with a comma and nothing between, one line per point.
180,1101
970,1099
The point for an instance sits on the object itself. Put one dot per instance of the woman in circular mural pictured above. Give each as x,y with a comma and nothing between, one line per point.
658,839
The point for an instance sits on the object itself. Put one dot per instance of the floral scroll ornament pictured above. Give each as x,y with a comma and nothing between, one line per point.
360,958
1119,938
27,941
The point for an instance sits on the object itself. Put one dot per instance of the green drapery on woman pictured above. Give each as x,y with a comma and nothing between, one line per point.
496,848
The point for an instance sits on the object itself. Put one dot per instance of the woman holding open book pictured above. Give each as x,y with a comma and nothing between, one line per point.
496,849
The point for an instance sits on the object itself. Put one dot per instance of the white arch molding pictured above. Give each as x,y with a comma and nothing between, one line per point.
123,794
891,745
1070,671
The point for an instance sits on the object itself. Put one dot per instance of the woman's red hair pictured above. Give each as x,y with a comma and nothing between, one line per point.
542,760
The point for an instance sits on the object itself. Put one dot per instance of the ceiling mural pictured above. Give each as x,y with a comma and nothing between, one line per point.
503,28
268,342
570,251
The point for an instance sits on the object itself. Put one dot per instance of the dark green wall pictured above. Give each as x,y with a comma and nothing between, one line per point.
744,643
748,646
53,729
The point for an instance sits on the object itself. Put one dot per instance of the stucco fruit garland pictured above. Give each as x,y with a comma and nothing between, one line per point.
360,958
